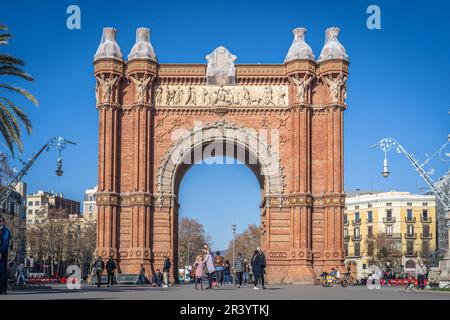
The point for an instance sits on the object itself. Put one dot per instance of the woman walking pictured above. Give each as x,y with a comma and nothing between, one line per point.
209,262
257,268
227,273
199,271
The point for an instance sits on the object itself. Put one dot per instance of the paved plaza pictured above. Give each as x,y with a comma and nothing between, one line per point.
187,292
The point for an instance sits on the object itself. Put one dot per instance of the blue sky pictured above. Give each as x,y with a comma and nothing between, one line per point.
398,85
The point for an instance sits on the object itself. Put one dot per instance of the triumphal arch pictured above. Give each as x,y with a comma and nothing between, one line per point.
285,121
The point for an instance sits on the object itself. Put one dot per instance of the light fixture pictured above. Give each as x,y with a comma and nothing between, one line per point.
59,171
385,173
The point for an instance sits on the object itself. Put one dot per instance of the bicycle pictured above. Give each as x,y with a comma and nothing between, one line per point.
329,281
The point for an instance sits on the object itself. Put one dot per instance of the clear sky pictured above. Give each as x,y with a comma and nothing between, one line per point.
398,85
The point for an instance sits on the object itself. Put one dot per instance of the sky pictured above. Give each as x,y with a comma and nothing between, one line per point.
398,85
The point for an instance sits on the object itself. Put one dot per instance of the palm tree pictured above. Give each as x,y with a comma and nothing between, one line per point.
10,113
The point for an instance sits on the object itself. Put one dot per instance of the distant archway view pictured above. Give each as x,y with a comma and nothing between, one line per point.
213,198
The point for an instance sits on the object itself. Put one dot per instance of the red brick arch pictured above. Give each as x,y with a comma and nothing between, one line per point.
303,198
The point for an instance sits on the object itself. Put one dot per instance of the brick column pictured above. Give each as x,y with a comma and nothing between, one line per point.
140,74
109,75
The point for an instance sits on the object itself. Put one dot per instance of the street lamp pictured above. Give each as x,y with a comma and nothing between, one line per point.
59,143
233,227
188,256
385,172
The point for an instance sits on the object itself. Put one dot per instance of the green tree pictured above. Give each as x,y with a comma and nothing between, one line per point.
10,113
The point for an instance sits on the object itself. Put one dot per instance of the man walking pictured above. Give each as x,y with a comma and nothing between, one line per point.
5,237
166,271
239,268
110,269
263,259
99,267
421,271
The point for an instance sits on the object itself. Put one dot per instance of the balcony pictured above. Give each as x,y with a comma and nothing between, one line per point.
411,236
393,235
369,220
356,222
411,254
347,238
425,219
410,220
388,220
356,238
426,235
345,222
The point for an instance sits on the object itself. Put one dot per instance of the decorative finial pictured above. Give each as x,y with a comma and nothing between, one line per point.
142,48
299,48
332,49
108,47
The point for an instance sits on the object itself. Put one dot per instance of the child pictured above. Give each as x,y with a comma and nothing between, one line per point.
199,271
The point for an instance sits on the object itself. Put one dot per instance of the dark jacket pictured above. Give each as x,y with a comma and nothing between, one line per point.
5,237
166,267
157,278
239,264
99,266
110,266
263,259
257,265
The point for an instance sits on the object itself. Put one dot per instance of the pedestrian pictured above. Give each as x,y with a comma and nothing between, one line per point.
157,279
245,276
219,263
263,259
110,269
208,261
199,271
166,272
99,267
141,278
5,237
239,268
20,274
227,273
257,268
421,271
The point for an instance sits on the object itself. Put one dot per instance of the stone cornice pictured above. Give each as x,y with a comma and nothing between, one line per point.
305,200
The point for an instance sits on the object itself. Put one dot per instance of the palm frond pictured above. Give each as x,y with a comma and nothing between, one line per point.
20,114
14,71
10,60
21,91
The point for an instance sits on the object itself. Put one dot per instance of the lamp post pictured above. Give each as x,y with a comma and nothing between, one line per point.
59,143
388,144
233,227
188,254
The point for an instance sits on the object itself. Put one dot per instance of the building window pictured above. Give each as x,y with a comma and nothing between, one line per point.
369,205
425,249
36,203
30,203
410,230
370,231
389,215
356,233
409,204
345,219
389,230
357,249
30,221
425,214
426,230
357,219
409,214
388,204
369,216
90,208
409,248
345,232
425,204
346,249
30,211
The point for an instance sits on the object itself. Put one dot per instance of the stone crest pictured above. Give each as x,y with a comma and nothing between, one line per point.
221,70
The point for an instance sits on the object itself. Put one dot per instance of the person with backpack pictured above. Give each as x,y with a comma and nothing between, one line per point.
219,263
239,268
263,260
110,269
99,266
227,273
